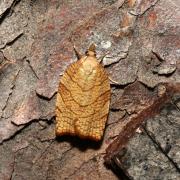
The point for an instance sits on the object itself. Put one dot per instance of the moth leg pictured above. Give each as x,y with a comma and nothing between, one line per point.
78,54
113,81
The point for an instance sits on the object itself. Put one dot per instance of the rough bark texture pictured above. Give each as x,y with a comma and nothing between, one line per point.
142,42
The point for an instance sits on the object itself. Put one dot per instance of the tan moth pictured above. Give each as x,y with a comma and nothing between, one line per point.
83,98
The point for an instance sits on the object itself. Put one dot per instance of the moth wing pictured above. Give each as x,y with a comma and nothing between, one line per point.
92,126
80,111
65,118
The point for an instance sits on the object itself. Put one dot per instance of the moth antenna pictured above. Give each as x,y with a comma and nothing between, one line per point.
100,59
78,54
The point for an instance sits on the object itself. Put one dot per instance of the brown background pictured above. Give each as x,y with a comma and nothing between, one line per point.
142,39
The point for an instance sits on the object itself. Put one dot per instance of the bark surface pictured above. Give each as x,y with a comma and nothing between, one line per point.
142,42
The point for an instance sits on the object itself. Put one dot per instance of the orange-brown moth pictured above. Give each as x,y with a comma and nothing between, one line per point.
83,98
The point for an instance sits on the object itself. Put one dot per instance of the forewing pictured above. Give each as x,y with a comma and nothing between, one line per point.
65,118
83,102
92,125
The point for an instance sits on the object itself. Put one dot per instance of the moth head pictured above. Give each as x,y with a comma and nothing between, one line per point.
92,50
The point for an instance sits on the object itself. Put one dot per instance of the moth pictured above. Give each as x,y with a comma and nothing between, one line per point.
83,98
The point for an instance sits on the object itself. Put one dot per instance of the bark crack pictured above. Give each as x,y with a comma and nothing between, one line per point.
45,150
21,128
11,92
82,164
157,144
32,69
13,168
60,159
8,10
141,14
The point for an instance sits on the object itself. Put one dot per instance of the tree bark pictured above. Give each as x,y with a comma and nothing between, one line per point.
142,43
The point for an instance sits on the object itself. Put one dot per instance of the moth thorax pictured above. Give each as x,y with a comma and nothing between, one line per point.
87,68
